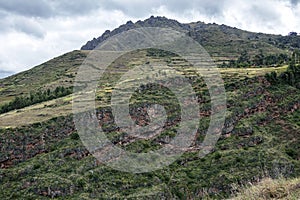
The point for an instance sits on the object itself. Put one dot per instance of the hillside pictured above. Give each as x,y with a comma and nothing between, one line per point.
56,72
43,157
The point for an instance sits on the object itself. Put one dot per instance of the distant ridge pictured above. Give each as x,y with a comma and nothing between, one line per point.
221,40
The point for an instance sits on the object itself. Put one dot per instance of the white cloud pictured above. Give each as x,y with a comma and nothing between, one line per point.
22,49
269,16
46,29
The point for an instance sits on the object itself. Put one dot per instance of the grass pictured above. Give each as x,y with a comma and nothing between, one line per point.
251,72
37,113
269,188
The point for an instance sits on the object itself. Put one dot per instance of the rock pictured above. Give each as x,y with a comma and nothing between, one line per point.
150,22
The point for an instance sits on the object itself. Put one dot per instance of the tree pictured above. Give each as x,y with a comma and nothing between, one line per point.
272,77
35,97
296,57
244,59
293,33
258,60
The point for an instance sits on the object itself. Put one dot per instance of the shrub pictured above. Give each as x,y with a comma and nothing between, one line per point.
74,136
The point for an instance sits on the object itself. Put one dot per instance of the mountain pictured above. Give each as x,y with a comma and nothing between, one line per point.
221,41
43,157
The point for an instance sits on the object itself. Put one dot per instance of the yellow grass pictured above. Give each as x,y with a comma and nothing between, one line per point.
250,72
272,189
36,113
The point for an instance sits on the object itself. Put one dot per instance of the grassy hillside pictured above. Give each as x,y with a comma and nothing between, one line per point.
225,42
43,157
59,71
260,140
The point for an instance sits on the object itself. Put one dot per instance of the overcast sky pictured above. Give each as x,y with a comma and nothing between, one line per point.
34,31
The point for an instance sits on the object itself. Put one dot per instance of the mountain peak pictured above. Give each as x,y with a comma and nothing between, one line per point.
157,21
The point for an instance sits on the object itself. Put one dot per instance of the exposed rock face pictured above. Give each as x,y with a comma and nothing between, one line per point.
151,22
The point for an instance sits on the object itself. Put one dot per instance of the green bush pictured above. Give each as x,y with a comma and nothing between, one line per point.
291,152
74,136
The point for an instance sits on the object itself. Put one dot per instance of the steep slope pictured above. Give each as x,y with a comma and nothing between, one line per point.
260,139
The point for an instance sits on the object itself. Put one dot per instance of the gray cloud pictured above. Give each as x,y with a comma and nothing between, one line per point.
31,8
22,24
5,73
75,8
140,9
207,7
4,25
29,27
46,9
263,14
294,2
137,9
22,15
144,8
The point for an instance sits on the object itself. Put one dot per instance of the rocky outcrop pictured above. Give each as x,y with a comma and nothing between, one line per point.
151,22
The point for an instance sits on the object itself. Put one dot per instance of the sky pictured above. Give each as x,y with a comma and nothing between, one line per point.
34,31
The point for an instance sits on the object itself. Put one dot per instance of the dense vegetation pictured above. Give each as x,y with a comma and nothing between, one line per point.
291,76
34,98
258,60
